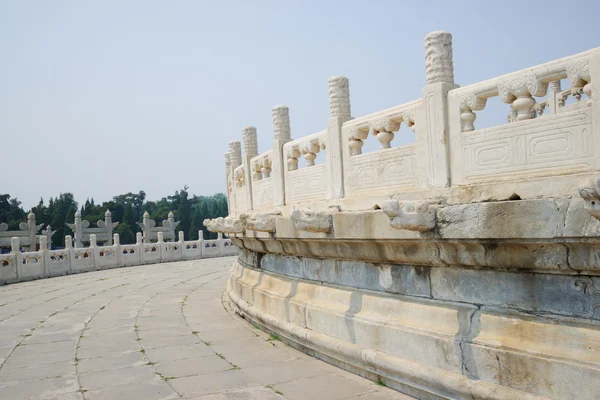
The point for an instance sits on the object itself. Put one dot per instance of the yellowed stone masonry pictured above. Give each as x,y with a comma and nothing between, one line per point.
462,266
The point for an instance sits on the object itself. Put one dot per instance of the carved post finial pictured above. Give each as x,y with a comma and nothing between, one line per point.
33,228
250,151
339,97
109,227
227,166
250,141
235,153
281,123
438,57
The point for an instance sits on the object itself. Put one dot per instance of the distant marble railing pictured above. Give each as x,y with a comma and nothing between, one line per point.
27,234
18,266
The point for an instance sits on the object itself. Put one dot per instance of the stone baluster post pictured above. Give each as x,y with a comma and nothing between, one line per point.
201,242
48,233
228,180
220,242
171,222
591,89
117,246
139,242
14,245
146,227
109,228
339,112
94,250
235,160
17,256
181,246
78,230
45,261
433,137
70,251
160,244
281,135
584,76
32,231
250,150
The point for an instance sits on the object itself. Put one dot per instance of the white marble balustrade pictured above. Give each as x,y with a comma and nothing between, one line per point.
18,266
549,131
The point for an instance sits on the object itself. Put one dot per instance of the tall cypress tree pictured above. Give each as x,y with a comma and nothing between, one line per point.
183,212
195,225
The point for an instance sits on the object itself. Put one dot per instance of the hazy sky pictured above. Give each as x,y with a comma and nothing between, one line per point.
107,97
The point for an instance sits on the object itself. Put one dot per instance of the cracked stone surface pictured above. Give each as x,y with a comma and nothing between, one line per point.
152,332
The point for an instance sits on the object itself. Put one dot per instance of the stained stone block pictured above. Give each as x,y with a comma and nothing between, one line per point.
538,293
400,279
504,220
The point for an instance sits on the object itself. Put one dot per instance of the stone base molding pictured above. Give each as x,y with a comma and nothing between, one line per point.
422,346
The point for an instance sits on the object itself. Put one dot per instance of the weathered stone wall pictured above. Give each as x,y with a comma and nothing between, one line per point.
447,341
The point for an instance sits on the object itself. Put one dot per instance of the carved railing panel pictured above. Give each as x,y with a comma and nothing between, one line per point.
32,265
386,168
541,137
310,182
262,192
240,200
59,262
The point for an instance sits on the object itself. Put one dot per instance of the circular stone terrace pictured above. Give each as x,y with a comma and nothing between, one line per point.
162,331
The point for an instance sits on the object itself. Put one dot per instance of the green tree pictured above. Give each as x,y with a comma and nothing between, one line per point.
126,235
61,207
183,212
195,225
203,211
128,217
70,217
126,209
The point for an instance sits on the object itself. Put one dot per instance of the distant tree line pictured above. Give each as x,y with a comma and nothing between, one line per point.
127,209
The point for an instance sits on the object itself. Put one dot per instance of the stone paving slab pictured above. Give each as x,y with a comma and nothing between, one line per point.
156,332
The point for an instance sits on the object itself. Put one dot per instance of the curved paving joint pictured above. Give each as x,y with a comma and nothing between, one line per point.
152,332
